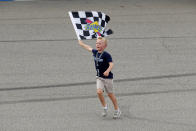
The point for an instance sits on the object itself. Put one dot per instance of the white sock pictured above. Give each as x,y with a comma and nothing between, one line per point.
117,110
106,107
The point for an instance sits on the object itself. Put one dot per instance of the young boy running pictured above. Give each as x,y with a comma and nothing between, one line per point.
103,65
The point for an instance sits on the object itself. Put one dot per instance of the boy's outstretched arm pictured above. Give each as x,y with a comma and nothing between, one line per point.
85,46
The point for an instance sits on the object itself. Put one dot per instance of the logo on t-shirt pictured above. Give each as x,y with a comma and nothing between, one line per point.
98,59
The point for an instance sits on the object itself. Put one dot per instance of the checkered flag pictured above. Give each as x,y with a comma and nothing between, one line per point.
90,24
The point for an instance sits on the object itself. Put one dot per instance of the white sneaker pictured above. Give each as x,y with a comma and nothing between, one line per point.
117,114
105,111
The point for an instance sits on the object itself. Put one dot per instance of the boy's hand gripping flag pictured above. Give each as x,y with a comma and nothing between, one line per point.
90,24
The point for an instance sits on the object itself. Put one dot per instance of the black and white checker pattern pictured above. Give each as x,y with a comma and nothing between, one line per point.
78,19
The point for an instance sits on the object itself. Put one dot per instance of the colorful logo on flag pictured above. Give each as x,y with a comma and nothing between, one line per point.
93,26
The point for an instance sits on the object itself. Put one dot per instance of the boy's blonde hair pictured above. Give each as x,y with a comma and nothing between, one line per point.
104,39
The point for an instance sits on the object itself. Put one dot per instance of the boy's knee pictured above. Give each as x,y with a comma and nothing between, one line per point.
110,94
99,91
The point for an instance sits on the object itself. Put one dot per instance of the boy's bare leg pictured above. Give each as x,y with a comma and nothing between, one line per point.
101,97
114,101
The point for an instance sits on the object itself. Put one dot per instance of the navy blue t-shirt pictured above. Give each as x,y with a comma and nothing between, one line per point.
102,63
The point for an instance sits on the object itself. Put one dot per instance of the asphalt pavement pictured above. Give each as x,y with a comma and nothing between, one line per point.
47,81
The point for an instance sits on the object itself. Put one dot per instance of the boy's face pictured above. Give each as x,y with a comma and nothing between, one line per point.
100,45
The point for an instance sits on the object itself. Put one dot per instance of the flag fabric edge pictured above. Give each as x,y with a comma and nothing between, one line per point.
70,15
